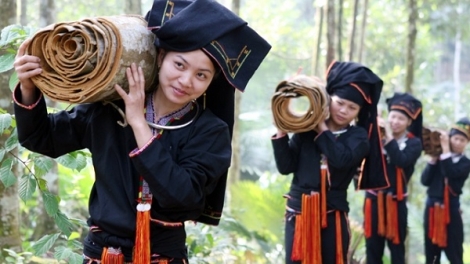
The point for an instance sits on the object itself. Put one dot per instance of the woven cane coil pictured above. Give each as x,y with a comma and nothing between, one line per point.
431,141
83,60
301,85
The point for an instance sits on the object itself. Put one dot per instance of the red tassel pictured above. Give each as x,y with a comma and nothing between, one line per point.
142,236
368,218
431,223
297,243
446,202
396,238
399,173
324,175
380,214
112,256
339,240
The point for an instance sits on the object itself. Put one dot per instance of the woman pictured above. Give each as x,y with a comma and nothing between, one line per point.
385,215
150,180
324,161
445,175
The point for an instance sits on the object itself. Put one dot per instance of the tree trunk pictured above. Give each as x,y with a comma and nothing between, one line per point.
456,74
330,32
410,52
363,31
234,170
319,24
24,12
352,39
9,201
133,7
46,12
340,30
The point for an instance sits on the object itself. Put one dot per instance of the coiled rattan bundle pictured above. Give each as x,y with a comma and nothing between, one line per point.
431,141
301,85
83,60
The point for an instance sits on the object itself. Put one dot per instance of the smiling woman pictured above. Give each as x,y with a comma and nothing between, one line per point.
151,179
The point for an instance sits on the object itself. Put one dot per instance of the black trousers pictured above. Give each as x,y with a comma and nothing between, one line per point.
455,233
375,245
328,238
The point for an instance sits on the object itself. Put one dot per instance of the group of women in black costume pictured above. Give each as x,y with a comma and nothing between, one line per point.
150,179
354,143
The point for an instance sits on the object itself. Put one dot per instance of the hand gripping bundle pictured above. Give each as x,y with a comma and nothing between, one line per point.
301,85
431,141
83,60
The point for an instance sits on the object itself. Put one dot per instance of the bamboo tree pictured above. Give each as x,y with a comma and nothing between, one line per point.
330,32
363,31
410,49
352,38
340,29
9,201
319,29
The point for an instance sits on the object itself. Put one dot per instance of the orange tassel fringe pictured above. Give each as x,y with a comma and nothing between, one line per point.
368,218
142,238
438,225
111,256
380,214
297,243
392,220
324,175
399,173
339,240
307,237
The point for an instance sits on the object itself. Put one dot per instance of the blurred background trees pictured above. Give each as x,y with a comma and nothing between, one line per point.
415,46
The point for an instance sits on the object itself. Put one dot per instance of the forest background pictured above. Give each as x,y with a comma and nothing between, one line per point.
418,46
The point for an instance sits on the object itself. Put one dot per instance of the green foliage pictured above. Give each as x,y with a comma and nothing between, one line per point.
10,38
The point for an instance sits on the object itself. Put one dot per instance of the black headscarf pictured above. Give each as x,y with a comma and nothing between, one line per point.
183,25
355,82
411,107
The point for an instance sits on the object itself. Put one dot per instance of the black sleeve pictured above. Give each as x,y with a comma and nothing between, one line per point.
183,184
344,154
286,152
428,172
406,157
52,134
454,170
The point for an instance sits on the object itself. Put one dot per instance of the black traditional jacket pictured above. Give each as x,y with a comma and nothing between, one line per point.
434,176
302,155
182,167
401,154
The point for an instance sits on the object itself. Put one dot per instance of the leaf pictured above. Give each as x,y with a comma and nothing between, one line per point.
5,122
62,253
27,187
67,160
44,244
42,165
6,175
2,154
42,184
63,223
75,259
12,141
9,34
6,62
13,81
51,203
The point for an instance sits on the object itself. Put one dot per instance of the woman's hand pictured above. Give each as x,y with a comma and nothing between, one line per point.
444,137
135,99
135,104
27,66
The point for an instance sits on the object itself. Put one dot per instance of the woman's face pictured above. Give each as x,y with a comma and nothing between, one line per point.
185,76
342,111
398,121
458,143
